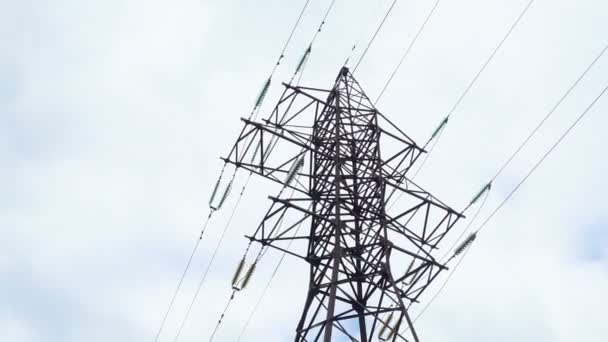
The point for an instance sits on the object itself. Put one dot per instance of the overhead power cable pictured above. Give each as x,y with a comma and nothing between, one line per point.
486,195
570,128
254,111
293,30
214,205
513,191
306,55
390,9
536,129
181,279
489,59
258,103
542,122
299,69
516,152
210,263
407,51
361,34
219,322
478,74
238,283
415,174
436,136
267,286
439,131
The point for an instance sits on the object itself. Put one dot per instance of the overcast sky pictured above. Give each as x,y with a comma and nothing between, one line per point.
113,115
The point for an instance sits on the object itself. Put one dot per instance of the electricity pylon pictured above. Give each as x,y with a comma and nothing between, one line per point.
343,161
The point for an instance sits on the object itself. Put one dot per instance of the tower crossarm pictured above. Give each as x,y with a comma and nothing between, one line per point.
418,208
271,153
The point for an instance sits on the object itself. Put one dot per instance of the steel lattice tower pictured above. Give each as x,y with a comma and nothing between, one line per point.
367,265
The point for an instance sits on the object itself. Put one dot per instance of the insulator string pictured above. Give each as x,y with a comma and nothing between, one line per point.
267,286
535,129
210,263
226,227
293,30
258,103
468,226
514,190
473,219
512,156
531,134
400,194
248,274
308,51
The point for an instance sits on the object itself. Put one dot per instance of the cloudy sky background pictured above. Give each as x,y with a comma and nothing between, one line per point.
113,115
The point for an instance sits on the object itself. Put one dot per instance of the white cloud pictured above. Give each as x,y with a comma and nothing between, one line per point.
114,114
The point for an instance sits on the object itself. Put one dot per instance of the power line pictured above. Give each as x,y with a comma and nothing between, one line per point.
407,51
434,139
483,67
517,151
485,64
526,140
360,36
181,279
301,66
260,255
331,5
293,30
257,105
578,119
416,172
542,122
267,286
514,190
308,51
375,34
442,287
219,322
217,247
254,111
468,226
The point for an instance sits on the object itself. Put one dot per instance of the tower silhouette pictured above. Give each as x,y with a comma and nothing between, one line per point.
372,232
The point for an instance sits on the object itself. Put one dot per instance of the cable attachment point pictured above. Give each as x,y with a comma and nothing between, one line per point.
237,273
303,59
440,127
217,204
466,243
263,92
295,168
216,187
392,332
248,275
483,190
384,327
240,282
